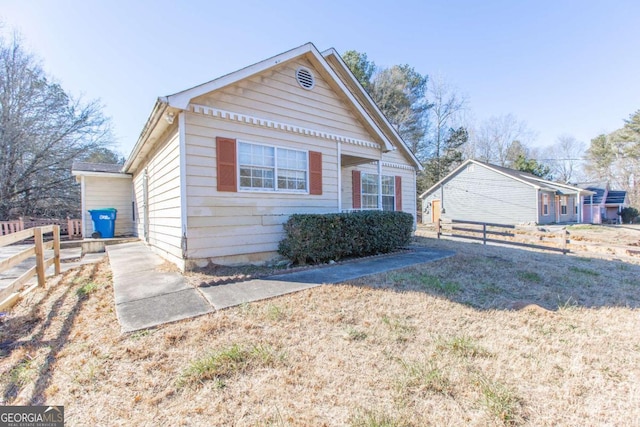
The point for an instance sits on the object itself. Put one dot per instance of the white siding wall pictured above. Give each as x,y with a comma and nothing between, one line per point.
163,171
102,192
246,226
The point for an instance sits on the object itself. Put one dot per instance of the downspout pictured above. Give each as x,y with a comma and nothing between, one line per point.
380,184
182,134
591,208
441,198
339,148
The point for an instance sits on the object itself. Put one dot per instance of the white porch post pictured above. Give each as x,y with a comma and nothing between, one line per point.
380,184
579,202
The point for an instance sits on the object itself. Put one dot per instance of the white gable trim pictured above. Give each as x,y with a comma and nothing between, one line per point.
356,84
258,121
398,166
182,99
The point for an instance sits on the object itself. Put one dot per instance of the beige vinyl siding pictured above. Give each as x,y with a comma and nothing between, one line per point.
165,224
107,192
276,95
245,226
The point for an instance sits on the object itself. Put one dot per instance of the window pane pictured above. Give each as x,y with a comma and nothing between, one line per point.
388,203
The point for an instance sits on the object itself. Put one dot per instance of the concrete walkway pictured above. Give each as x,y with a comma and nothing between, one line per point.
147,296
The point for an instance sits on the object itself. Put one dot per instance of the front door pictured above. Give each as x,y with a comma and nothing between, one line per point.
435,211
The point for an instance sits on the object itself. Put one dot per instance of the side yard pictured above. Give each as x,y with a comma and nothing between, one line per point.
490,336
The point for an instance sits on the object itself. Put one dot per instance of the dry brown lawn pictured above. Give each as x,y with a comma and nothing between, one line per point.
490,336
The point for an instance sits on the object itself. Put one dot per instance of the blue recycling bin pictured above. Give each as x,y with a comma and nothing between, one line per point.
104,222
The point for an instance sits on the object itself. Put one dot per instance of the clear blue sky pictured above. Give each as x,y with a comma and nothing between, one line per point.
564,67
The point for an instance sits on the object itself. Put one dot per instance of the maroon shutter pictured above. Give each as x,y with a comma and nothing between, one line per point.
357,191
226,160
398,193
315,172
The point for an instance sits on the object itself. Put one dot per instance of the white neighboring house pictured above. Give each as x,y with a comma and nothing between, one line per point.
219,168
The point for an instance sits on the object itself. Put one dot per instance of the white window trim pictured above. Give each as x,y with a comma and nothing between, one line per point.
275,170
362,193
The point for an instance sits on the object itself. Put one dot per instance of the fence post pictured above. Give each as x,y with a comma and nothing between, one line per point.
484,233
564,241
438,228
56,248
37,234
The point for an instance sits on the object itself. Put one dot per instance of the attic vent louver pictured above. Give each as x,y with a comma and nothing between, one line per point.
305,78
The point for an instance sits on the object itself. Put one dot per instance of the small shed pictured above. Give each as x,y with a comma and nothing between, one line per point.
105,186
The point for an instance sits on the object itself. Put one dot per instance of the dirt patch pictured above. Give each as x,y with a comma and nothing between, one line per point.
436,344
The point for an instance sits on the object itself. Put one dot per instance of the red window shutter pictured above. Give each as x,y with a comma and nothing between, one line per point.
226,161
398,193
315,172
357,190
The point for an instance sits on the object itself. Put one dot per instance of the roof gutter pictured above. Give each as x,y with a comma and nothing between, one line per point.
156,114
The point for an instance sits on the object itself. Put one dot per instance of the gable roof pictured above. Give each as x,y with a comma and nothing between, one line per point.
616,197
365,108
524,177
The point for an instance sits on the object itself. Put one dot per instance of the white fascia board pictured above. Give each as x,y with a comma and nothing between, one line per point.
322,60
356,84
181,99
101,174
158,109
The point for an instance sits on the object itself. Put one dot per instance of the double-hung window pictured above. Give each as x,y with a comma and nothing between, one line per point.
370,192
268,168
563,205
545,204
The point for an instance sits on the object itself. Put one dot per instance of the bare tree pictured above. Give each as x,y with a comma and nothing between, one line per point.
443,118
494,137
564,158
42,130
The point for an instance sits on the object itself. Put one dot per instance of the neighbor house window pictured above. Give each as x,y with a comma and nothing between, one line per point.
545,204
370,192
563,205
264,167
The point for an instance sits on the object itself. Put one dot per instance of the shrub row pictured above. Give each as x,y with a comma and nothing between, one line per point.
316,238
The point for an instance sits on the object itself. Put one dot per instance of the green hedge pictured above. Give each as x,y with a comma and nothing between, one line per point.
316,238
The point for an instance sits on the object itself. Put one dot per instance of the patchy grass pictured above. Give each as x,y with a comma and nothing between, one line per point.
223,364
393,349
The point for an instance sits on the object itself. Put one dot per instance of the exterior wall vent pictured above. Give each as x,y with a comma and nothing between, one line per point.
305,78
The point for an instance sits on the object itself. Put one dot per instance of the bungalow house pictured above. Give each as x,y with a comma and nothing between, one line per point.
219,168
477,191
605,205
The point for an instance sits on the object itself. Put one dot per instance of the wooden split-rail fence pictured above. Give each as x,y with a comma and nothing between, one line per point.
503,233
12,293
